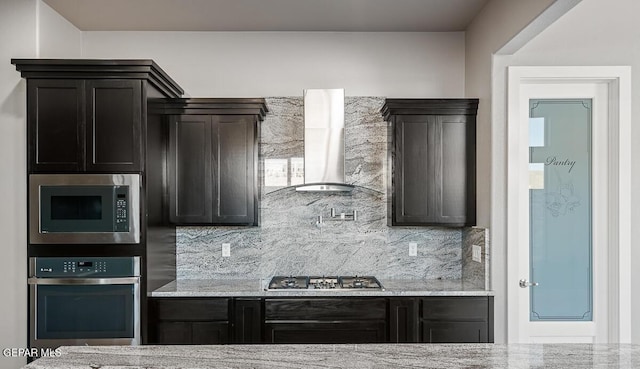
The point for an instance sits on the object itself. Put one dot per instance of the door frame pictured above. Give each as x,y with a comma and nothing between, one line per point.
618,79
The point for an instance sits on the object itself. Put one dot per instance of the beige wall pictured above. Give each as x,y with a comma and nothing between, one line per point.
18,39
57,38
246,64
24,25
498,23
592,33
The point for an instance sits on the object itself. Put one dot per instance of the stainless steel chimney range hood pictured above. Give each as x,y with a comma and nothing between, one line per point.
324,141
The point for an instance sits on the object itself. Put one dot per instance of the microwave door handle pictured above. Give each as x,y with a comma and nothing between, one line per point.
82,281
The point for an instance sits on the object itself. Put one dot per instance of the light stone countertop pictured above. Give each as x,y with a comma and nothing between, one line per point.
256,288
477,356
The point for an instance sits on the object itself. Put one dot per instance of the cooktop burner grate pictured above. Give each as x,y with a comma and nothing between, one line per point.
290,282
324,283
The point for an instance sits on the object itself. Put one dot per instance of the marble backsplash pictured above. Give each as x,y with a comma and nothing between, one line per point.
477,272
288,240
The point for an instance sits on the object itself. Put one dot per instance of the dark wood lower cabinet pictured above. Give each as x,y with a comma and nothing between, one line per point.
189,321
438,319
452,319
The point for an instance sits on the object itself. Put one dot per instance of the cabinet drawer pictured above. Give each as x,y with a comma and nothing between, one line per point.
343,332
456,308
192,309
325,309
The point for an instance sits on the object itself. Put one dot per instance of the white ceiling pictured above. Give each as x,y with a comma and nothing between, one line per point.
270,15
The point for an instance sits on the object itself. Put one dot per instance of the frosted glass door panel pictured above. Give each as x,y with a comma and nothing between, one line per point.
560,210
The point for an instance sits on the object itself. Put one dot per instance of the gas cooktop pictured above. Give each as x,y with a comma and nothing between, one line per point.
330,283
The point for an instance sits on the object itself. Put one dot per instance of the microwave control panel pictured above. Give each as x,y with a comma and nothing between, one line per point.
122,209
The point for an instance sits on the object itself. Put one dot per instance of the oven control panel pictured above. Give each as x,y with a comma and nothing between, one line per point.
89,267
84,267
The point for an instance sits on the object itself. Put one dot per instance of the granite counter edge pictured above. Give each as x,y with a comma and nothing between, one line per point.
249,288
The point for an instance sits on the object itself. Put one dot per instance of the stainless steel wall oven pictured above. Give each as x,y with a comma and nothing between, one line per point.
78,301
84,208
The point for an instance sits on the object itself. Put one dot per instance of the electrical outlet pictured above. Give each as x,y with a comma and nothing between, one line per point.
226,250
413,249
476,253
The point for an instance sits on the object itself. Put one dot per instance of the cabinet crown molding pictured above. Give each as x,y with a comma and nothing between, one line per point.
215,106
143,69
429,106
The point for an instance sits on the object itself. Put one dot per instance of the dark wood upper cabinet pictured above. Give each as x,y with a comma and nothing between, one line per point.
213,160
90,115
432,161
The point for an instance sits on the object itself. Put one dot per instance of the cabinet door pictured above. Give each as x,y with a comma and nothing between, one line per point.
234,173
209,333
326,332
55,125
456,175
403,320
114,115
173,333
415,165
190,162
248,321
454,332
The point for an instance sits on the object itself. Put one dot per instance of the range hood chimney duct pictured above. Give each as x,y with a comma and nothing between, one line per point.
324,141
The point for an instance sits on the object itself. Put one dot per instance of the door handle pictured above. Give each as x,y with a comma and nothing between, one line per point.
524,283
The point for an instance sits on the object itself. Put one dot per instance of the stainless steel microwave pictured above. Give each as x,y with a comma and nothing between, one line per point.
84,208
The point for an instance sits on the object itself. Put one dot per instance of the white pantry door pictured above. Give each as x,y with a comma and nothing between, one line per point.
568,190
562,245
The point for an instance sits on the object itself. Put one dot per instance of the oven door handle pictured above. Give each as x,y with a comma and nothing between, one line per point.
83,281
